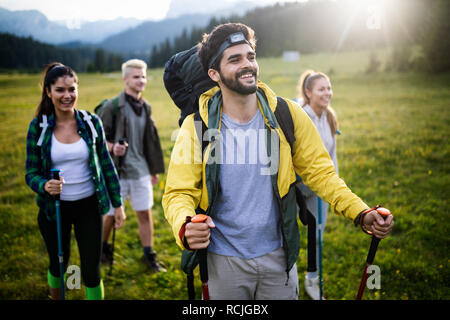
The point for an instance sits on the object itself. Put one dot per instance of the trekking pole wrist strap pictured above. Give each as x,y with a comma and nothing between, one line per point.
361,219
182,231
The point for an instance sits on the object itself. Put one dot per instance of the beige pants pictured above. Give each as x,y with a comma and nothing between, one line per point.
261,278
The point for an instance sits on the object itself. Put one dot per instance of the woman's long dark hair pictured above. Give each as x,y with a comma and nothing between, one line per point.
51,73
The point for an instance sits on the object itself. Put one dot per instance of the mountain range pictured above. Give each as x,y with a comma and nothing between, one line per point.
222,8
33,23
122,35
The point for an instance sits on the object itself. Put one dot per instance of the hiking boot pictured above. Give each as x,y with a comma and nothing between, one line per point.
312,288
151,262
107,254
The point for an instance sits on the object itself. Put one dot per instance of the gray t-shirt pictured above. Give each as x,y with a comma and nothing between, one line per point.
246,214
134,164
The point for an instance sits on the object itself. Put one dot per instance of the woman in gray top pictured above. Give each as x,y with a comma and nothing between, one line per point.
314,95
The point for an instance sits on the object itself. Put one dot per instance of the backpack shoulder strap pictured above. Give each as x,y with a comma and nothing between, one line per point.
200,130
284,118
286,123
42,124
188,258
115,102
88,119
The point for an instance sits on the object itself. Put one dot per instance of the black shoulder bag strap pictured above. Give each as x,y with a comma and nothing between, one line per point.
200,131
197,119
286,123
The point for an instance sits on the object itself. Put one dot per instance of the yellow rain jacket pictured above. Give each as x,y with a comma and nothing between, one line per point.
193,183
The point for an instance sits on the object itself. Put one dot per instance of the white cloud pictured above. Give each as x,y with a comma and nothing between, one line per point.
92,10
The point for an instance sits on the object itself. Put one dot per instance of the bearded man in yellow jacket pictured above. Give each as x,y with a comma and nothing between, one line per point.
245,178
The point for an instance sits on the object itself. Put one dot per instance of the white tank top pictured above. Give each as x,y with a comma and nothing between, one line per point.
73,161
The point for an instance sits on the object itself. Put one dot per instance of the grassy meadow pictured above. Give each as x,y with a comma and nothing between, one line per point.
393,151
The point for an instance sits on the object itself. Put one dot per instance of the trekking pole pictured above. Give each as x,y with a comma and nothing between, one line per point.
121,142
319,209
202,259
112,247
372,251
55,173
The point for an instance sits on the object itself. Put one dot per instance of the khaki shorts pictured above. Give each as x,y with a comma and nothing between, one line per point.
261,278
139,191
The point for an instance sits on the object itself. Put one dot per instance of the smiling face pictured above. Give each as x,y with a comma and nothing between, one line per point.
135,80
320,94
238,70
64,94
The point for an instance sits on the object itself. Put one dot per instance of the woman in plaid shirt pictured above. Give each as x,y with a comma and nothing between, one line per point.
62,137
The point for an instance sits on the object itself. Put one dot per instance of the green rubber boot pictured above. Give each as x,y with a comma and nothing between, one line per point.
96,293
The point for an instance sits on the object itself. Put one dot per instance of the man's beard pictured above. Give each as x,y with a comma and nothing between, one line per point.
236,86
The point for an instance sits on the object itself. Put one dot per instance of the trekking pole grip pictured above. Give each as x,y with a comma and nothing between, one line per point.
121,142
375,241
202,259
55,176
202,253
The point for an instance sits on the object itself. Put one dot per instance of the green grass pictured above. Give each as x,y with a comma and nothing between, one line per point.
393,150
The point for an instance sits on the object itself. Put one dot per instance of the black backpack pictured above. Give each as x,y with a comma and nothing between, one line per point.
185,81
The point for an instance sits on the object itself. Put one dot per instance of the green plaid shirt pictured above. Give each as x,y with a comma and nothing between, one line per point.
39,164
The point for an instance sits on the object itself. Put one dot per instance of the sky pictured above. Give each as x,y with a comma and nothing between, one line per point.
92,10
